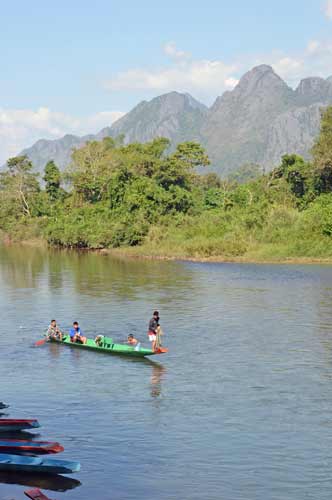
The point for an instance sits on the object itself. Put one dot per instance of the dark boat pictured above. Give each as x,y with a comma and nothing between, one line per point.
52,482
11,424
25,446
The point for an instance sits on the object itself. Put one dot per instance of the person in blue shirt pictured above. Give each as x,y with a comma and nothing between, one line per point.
76,334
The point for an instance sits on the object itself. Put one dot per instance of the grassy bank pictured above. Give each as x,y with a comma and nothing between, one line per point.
255,253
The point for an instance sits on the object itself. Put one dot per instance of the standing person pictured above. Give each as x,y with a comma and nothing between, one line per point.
54,331
154,329
76,334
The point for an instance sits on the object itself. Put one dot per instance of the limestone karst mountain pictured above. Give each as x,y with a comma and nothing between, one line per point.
261,119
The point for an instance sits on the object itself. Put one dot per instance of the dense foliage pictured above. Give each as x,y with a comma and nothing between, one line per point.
143,196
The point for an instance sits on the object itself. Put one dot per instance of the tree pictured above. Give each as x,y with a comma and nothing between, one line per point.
209,181
246,173
19,184
91,169
322,153
178,169
191,154
52,178
298,174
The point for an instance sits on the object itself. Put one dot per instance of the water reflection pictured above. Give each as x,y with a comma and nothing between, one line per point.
89,273
44,481
55,349
20,435
157,374
23,266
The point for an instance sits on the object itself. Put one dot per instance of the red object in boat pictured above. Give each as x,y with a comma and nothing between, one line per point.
25,446
36,494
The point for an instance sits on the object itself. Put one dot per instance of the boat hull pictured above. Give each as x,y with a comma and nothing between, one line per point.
25,446
109,348
37,464
10,425
36,494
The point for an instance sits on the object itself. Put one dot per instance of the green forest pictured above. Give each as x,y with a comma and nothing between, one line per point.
146,199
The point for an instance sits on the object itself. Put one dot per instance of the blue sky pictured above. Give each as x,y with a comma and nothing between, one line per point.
75,66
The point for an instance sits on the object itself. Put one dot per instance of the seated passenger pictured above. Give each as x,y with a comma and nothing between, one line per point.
131,340
54,331
76,334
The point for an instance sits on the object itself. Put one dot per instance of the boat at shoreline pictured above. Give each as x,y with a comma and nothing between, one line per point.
36,494
11,424
46,481
37,464
25,446
108,346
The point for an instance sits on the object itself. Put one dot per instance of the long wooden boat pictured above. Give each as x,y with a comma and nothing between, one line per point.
25,446
108,346
13,424
37,464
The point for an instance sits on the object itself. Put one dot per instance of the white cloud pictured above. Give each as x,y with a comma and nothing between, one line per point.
204,78
288,67
172,51
93,123
231,82
314,60
20,128
328,9
313,46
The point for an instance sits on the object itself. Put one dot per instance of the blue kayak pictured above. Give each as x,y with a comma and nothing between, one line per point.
36,464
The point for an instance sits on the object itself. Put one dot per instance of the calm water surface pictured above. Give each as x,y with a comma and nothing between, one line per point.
240,408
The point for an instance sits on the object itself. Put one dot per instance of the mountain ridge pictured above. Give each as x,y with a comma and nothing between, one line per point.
258,121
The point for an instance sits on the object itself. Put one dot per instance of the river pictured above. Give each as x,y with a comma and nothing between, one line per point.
240,407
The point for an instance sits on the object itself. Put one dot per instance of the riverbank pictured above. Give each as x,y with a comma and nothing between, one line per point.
169,251
148,252
144,253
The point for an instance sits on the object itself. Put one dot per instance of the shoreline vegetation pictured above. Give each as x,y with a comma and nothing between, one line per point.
144,253
148,201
